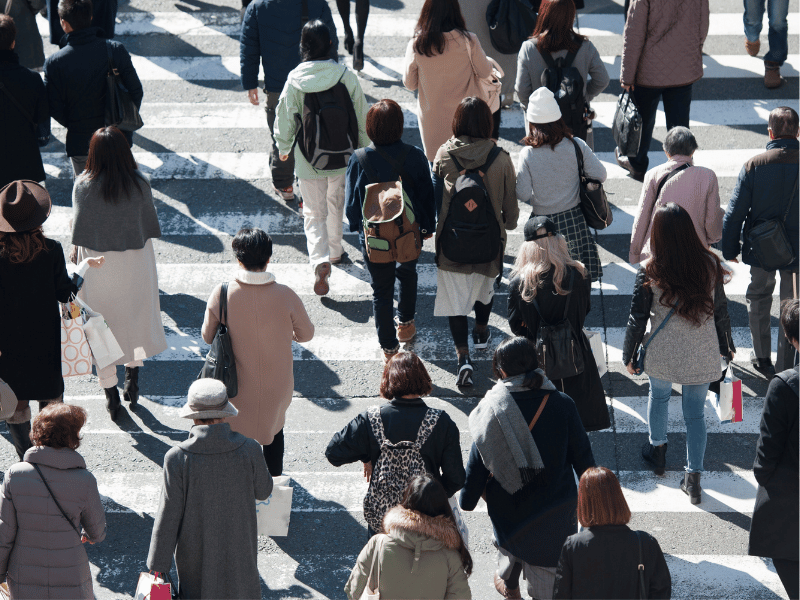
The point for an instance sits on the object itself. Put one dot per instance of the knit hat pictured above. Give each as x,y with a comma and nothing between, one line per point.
536,223
208,399
24,205
542,107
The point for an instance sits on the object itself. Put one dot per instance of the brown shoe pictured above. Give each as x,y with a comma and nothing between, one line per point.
388,354
772,75
405,331
752,47
625,163
321,273
505,592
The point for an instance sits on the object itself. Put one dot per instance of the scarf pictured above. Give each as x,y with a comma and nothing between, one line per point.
254,277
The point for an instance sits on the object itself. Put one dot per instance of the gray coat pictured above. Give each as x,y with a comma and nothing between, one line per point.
40,552
29,44
207,514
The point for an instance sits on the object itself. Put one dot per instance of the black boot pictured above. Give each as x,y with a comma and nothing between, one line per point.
358,55
691,487
112,402
130,391
20,437
348,41
656,456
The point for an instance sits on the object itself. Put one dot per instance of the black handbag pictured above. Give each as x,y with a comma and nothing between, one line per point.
769,242
220,362
593,200
121,110
627,125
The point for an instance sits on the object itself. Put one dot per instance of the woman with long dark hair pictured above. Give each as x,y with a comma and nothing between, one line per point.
680,292
354,46
114,215
421,553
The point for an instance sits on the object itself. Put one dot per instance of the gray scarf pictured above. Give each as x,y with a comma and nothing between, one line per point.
502,436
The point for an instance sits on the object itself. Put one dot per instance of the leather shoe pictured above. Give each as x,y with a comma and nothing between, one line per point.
763,365
772,75
752,48
505,592
625,163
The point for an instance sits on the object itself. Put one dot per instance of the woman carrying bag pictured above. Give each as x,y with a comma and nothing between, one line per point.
680,292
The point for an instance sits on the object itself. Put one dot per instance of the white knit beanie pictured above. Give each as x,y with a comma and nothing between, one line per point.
542,107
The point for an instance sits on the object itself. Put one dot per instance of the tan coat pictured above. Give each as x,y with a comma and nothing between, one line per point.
443,81
264,318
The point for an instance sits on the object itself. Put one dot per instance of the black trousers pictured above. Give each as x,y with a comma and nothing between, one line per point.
789,572
273,455
677,101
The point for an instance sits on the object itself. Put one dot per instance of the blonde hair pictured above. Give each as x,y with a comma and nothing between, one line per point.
535,259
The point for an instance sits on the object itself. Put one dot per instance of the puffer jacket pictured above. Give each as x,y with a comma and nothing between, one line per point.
417,558
40,553
662,44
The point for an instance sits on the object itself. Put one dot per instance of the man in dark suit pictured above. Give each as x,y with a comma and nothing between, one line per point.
104,15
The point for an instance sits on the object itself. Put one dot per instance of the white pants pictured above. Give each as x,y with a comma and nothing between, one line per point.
323,212
108,376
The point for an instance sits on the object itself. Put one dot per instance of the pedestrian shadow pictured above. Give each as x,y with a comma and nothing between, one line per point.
703,578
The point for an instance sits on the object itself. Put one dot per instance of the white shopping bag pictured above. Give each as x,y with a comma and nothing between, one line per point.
274,512
105,349
152,586
459,519
728,404
596,343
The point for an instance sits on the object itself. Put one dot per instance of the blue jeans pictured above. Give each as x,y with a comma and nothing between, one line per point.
694,400
677,102
778,26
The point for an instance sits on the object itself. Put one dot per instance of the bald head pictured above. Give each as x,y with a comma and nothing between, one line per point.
783,123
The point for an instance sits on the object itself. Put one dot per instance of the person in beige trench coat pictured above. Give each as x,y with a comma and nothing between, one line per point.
264,317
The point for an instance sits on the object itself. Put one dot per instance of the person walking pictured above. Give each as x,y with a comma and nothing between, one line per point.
398,439
662,56
767,190
29,47
35,279
680,292
45,502
113,215
778,36
76,82
104,16
555,39
354,46
263,318
207,513
462,286
322,189
548,178
530,493
603,560
421,554
271,36
776,517
384,157
691,187
547,285
443,63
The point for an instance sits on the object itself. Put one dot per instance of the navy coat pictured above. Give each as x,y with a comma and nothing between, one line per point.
104,13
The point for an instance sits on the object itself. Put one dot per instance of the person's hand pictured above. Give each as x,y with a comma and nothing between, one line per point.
631,370
368,470
284,157
73,255
627,88
96,262
253,96
85,539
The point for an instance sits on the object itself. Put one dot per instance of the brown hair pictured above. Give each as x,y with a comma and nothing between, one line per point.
600,499
22,246
385,122
58,425
403,375
111,156
8,32
473,118
436,18
789,318
783,122
554,26
544,134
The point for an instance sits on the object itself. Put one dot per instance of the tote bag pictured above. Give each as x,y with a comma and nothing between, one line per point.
76,356
105,348
596,344
151,586
490,86
728,404
273,514
627,126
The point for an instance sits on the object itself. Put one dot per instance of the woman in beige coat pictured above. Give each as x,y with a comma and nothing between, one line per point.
264,317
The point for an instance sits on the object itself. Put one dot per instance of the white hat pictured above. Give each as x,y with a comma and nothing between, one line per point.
542,107
208,399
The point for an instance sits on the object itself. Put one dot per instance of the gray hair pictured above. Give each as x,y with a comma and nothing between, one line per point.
681,141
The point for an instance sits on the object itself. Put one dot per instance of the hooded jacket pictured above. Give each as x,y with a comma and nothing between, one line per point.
417,558
309,77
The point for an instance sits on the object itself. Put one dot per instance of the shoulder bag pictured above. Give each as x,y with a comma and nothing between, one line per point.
642,588
627,126
638,357
490,86
669,176
593,200
121,110
53,496
769,242
220,362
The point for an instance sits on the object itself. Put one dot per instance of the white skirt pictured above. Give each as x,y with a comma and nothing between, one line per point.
456,293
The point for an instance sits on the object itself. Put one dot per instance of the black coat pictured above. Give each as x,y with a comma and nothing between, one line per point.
585,388
776,516
30,344
401,420
104,13
602,562
534,523
75,77
19,153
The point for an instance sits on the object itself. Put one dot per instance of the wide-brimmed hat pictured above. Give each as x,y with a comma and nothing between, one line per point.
208,399
542,107
534,224
24,205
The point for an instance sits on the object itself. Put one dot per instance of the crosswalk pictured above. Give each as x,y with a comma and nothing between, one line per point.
205,149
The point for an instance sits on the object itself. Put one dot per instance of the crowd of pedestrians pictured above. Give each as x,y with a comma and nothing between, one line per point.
529,432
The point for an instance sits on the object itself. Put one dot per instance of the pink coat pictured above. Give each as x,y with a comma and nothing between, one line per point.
694,189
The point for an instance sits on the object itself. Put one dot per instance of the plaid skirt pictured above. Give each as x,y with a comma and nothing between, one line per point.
582,247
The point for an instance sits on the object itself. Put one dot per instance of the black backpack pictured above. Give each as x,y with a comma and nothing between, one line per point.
558,346
566,83
471,233
511,22
328,128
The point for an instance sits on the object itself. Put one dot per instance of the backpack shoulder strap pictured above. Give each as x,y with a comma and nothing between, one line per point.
363,160
455,162
668,176
426,427
538,310
571,56
376,423
495,152
548,58
395,163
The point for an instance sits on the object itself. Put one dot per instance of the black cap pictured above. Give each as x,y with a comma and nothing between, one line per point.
536,223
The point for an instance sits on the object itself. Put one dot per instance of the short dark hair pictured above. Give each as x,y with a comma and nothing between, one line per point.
315,41
473,118
403,375
252,247
517,356
58,425
679,141
8,32
600,499
547,134
783,122
385,122
789,318
78,13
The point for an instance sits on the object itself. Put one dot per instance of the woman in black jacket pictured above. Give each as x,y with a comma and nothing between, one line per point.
603,560
546,279
400,425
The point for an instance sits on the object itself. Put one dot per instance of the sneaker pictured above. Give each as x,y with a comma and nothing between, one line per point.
762,365
480,339
321,273
388,354
504,591
344,258
772,75
286,193
752,48
464,374
405,331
